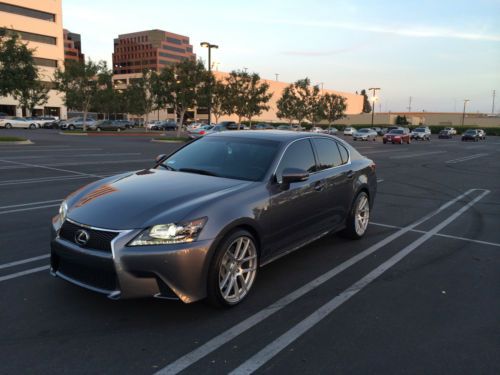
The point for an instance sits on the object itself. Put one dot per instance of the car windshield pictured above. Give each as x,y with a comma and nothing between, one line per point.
419,130
396,131
242,159
472,132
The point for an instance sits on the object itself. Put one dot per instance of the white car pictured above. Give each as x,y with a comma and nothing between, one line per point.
18,122
423,133
349,131
316,129
364,134
452,131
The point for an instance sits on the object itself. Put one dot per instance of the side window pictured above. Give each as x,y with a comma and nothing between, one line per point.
298,155
328,153
343,153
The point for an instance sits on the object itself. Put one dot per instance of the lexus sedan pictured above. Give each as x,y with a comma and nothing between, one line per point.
200,222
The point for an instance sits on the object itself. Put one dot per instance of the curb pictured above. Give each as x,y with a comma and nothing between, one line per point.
80,134
26,142
166,141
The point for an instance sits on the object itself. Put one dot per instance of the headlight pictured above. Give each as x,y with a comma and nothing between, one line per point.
164,234
63,210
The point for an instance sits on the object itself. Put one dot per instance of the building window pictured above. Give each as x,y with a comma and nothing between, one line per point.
173,40
32,37
175,49
27,12
45,62
170,56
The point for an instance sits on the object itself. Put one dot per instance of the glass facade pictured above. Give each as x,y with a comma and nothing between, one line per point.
27,12
39,38
45,62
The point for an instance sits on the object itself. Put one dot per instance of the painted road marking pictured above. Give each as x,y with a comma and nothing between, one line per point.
467,158
51,179
30,204
51,168
28,209
70,156
213,344
24,261
275,347
99,162
23,273
53,150
414,155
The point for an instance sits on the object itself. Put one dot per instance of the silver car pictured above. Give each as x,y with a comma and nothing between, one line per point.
18,122
364,134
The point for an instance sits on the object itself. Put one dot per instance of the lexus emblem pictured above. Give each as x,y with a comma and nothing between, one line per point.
82,237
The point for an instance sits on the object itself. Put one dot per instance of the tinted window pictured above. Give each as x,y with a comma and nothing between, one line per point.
9,8
396,132
343,153
328,153
243,159
298,155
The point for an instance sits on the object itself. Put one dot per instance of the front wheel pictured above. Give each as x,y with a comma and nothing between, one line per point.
358,218
32,126
71,127
233,270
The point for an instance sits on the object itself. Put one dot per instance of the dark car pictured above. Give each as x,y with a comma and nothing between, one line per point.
204,219
262,126
471,135
107,125
284,127
165,125
400,135
445,134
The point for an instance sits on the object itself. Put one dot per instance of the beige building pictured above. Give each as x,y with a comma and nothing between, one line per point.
39,23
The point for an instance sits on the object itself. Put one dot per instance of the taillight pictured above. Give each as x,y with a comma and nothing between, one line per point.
373,166
202,132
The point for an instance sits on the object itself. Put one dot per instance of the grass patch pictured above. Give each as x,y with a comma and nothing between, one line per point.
12,139
172,139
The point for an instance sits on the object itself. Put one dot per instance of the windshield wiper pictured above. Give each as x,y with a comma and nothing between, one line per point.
167,167
198,171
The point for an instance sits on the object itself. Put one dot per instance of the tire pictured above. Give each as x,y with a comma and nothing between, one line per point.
225,272
8,126
98,129
384,141
71,127
118,129
356,226
32,126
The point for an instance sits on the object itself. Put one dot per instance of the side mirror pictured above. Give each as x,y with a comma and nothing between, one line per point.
293,175
160,158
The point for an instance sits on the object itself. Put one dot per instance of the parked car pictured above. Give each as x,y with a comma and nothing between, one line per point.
165,125
51,125
349,131
364,134
107,125
41,121
126,123
397,136
331,131
445,134
195,125
482,134
423,133
378,130
76,123
316,129
18,122
3,115
452,131
471,135
297,128
199,132
228,204
284,127
262,126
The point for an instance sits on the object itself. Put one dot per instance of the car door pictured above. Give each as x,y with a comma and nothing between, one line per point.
336,171
292,214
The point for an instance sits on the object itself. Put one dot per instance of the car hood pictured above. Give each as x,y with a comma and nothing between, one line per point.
147,197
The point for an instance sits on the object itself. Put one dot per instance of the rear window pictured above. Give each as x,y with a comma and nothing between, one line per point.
396,131
328,153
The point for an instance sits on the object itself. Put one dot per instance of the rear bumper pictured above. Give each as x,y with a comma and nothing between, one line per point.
170,271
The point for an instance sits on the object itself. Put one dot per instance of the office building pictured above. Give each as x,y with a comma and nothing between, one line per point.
39,24
73,47
151,49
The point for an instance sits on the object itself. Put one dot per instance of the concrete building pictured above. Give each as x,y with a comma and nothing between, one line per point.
151,49
73,47
39,23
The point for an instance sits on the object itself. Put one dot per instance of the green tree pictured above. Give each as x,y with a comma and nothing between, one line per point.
142,96
367,107
247,95
302,101
334,107
79,82
30,96
287,105
220,100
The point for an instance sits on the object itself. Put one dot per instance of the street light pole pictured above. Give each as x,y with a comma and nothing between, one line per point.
209,46
463,113
374,89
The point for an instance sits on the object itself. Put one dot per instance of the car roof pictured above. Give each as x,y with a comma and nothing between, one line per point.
274,135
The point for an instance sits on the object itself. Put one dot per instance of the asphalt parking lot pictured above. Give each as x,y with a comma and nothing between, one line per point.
420,294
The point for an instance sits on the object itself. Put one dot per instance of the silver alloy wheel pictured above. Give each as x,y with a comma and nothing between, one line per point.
237,270
362,215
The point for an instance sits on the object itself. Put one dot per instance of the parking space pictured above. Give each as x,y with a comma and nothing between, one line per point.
418,294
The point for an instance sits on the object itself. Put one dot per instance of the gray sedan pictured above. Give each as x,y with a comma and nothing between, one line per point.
364,134
201,221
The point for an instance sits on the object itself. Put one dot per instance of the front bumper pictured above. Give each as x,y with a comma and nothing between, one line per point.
176,271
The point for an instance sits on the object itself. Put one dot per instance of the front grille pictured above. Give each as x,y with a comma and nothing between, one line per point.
98,239
97,277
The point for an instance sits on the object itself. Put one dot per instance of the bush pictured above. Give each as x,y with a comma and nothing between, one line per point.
12,139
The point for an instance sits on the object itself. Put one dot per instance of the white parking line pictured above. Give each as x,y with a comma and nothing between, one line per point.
275,347
24,261
380,180
23,273
213,344
467,158
29,204
51,179
99,162
414,155
51,168
66,148
71,156
28,209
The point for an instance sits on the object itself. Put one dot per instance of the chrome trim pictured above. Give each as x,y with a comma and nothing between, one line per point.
96,228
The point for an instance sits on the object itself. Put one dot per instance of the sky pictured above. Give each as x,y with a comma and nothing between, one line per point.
437,52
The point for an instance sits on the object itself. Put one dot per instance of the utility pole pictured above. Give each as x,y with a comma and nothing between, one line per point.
493,104
463,113
209,46
322,85
409,105
277,76
374,89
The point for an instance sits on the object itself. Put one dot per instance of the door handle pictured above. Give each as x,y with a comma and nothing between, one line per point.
349,174
319,185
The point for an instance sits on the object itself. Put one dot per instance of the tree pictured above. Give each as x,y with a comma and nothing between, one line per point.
247,95
187,86
80,84
108,100
367,107
220,100
19,76
401,120
334,107
301,101
287,104
142,96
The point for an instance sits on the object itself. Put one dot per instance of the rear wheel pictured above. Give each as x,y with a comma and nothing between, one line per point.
358,218
8,126
233,270
32,126
71,127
